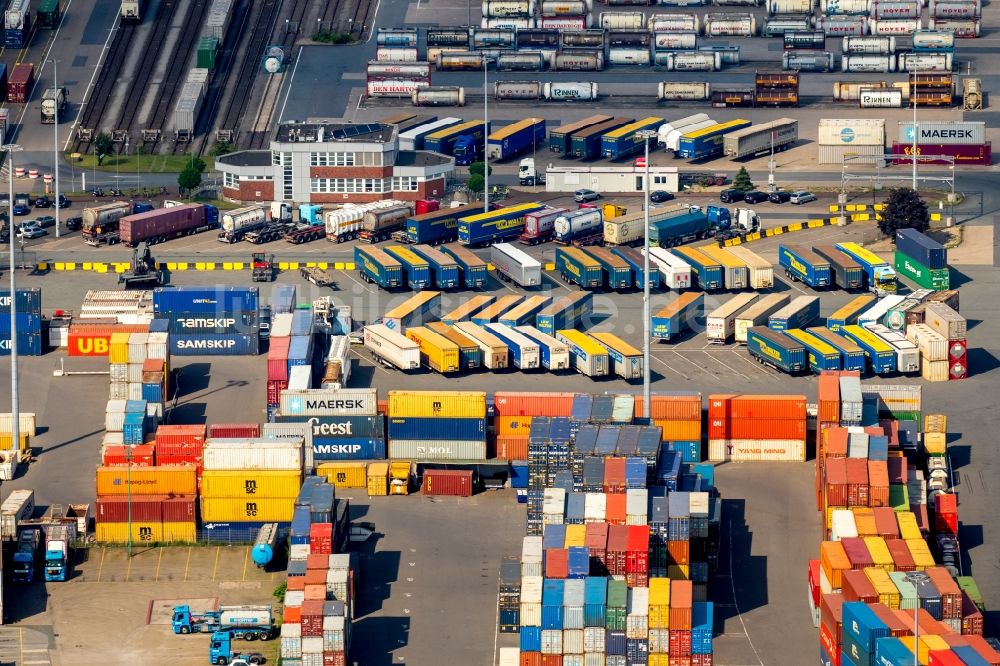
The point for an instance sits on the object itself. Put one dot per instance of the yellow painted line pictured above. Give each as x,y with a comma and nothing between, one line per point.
246,558
100,569
349,266
187,564
322,265
87,266
171,266
338,266
550,266
128,571
158,561
215,568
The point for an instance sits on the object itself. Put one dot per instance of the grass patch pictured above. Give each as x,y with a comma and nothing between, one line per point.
221,204
133,163
325,37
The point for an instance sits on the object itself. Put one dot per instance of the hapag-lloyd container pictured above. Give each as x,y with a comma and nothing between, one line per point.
325,402
439,450
508,403
234,454
164,480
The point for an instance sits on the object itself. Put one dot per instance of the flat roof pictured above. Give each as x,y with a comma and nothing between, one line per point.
247,158
324,132
420,158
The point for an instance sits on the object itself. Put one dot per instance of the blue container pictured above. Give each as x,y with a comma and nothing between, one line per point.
27,322
575,507
968,655
699,574
922,249
152,392
586,440
27,300
579,562
668,469
226,531
628,441
635,473
659,512
636,651
302,322
519,474
560,429
207,300
300,351
690,450
564,480
582,406
553,591
595,590
607,441
134,430
702,627
282,298
594,615
28,343
135,406
602,409
707,473
531,639
552,617
852,654
930,598
878,448
214,345
437,428
614,642
218,323
554,536
861,624
892,652
541,429
348,449
648,445
510,617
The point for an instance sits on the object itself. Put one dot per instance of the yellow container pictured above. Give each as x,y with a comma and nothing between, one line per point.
401,473
251,483
180,532
118,348
347,474
682,431
907,525
378,479
447,404
659,591
864,519
576,536
881,557
7,438
935,443
436,351
163,480
659,616
258,509
922,558
925,644
888,594
513,426
118,532
659,659
935,423
678,571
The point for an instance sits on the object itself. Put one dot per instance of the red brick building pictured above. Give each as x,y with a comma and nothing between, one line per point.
333,163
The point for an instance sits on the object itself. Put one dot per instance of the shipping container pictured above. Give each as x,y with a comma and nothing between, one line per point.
773,136
799,313
495,355
590,358
474,270
513,264
554,354
436,351
734,271
21,82
378,267
852,357
469,352
577,267
495,226
709,272
417,310
772,348
456,483
804,265
524,352
881,355
570,311
928,278
626,360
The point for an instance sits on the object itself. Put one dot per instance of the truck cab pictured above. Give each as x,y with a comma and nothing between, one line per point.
281,212
746,219
884,280
58,560
527,174
467,150
29,544
220,651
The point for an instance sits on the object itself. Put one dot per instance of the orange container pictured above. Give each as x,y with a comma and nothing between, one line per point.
512,448
678,552
864,519
296,583
681,431
614,508
531,659
95,339
163,480
318,561
833,559
770,407
316,576
828,396
513,426
671,407
878,480
293,614
763,428
141,455
681,596
835,444
313,592
551,660
513,403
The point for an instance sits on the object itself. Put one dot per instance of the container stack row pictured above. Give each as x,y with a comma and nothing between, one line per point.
210,320
756,427
157,502
28,305
319,596
291,346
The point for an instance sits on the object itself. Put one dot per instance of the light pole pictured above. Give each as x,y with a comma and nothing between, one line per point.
915,130
647,136
486,143
770,167
15,430
55,138
914,578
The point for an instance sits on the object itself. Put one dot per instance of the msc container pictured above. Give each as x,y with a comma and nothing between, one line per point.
720,324
678,316
391,348
450,482
758,314
776,350
760,271
589,357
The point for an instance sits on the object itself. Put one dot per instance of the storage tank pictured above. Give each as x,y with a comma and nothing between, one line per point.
894,27
674,23
497,38
99,216
868,63
933,40
387,70
842,7
567,8
838,26
582,39
674,41
961,29
394,87
522,61
790,7
274,60
896,9
694,61
433,52
730,25
881,98
677,91
925,62
508,8
622,20
569,90
577,222
683,3
809,39
629,38
580,61
393,54
952,9
508,23
850,91
439,96
624,56
236,219
517,90
565,22
397,37
807,61
460,61
869,45
777,26
448,37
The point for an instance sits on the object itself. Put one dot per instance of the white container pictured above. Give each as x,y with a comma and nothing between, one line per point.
594,639
137,347
674,23
114,416
932,345
730,25
496,355
18,506
531,550
134,391
531,614
790,7
392,348
842,525
573,619
559,358
945,321
552,641
421,449
294,598
756,450
622,20
516,264
281,325
894,27
113,439
25,423
675,271
573,639
629,56
720,324
934,371
135,373
324,402
118,372
299,551
312,644
157,345
698,504
269,454
529,356
119,391
509,656
595,507
531,590
578,91
636,501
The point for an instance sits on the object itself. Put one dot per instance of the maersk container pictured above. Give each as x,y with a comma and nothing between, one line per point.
804,265
846,273
801,312
570,311
776,350
554,354
881,355
852,357
524,352
720,324
577,267
708,271
391,348
678,316
378,267
589,357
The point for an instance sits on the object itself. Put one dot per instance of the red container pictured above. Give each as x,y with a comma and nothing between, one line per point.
671,407
452,482
857,482
896,627
297,583
951,594
315,560
234,430
902,558
828,396
19,83
984,650
857,587
680,661
835,444
758,407
739,428
531,658
424,206
152,365
878,483
617,549
179,509
813,581
614,507
334,659
145,509
678,552
551,660
857,553
979,154
828,642
321,539
836,482
140,455
614,475
277,359
943,658
930,626
180,439
312,617
636,579
274,389
637,558
920,513
314,591
681,594
701,660
194,459
514,403
946,513
161,223
556,563
972,618
680,643
512,448
958,368
885,523
315,576
596,541
831,607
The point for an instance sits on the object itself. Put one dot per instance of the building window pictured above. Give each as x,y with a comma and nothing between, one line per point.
348,185
659,180
230,180
404,184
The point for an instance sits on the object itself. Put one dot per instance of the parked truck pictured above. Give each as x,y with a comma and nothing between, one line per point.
617,272
163,224
720,324
759,270
520,137
881,355
586,143
628,139
879,274
771,137
846,273
852,357
848,313
444,269
590,358
804,265
579,227
99,224
416,269
220,652
242,622
708,142
907,352
626,360
514,265
570,311
678,316
58,556
496,356
539,226
524,352
495,226
635,260
391,348
758,314
436,351
776,350
734,271
677,273
475,273
345,223
559,137
707,270
237,223
799,313
463,141
680,225
53,105
529,174
19,506
440,226
377,267
27,553
821,355
555,355
378,225
578,267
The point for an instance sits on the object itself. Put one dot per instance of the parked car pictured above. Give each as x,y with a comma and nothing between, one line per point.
581,196
43,202
46,221
74,223
30,230
779,197
22,198
64,202
755,197
660,196
802,197
21,209
730,196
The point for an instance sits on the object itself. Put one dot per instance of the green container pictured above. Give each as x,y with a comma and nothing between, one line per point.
614,618
968,585
899,498
938,279
48,14
207,48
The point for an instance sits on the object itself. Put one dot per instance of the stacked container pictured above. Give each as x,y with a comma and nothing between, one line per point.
756,427
181,445
28,305
679,417
934,365
922,260
159,502
437,425
947,323
210,321
513,414
342,424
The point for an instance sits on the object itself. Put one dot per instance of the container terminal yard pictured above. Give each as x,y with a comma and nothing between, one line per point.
343,407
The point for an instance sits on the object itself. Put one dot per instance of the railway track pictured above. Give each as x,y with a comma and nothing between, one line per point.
94,107
126,118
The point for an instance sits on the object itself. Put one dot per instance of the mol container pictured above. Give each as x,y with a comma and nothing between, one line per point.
590,358
720,324
678,316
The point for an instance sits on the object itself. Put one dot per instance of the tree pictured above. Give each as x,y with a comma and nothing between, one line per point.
189,179
742,182
103,146
199,164
478,169
476,183
904,210
221,148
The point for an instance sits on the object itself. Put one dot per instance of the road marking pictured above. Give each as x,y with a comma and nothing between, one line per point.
100,569
158,561
246,557
288,91
680,355
215,569
128,571
669,367
20,637
719,360
187,564
496,630
363,285
373,23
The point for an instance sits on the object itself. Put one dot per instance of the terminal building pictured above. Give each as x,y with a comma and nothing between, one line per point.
334,163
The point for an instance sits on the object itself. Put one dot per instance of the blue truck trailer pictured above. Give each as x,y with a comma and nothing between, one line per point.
678,316
570,311
708,271
475,272
617,271
848,313
447,274
416,269
578,267
521,137
440,226
852,357
245,622
378,267
586,143
628,139
801,312
880,275
495,226
804,265
776,350
683,225
413,138
881,355
634,259
708,142
822,356
845,272
462,141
